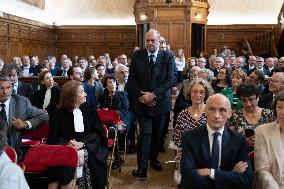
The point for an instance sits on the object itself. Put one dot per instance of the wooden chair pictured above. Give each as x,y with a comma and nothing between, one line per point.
11,154
39,157
110,118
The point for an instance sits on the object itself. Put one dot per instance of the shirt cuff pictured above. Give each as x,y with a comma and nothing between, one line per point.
212,174
29,125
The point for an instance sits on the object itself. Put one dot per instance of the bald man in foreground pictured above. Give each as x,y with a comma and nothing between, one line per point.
214,156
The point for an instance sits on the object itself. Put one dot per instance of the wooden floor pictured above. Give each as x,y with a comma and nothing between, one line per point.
156,179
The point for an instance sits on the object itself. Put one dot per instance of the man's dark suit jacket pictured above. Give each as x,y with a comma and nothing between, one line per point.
265,100
160,84
25,89
196,155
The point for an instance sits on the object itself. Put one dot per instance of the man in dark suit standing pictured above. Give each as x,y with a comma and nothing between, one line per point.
214,156
151,77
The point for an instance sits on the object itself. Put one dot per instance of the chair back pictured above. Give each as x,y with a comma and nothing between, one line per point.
108,117
11,154
39,133
40,157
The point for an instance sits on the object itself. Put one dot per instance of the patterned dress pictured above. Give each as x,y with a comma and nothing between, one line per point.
239,122
185,122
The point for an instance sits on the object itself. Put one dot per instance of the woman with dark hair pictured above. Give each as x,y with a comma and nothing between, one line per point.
115,100
251,116
269,147
257,78
223,80
47,97
91,77
76,124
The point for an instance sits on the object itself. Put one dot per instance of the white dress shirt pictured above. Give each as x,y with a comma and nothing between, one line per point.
11,175
78,120
47,98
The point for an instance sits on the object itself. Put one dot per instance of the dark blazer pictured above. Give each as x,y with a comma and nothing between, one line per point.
160,84
25,89
196,155
90,91
21,108
265,100
119,103
39,96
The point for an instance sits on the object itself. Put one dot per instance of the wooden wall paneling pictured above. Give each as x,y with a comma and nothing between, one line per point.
178,31
232,35
15,50
4,51
164,30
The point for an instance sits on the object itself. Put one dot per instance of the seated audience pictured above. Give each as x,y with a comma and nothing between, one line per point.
197,91
18,113
214,156
65,65
269,145
257,78
223,80
91,77
251,116
19,87
78,125
52,65
47,97
218,64
101,71
11,175
26,67
275,85
206,74
17,60
238,77
115,100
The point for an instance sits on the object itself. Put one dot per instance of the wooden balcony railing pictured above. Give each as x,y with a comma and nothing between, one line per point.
267,42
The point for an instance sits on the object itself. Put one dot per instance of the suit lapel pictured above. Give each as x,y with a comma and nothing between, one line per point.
276,145
225,153
205,147
11,109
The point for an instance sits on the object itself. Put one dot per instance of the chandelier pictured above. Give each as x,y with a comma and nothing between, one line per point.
167,1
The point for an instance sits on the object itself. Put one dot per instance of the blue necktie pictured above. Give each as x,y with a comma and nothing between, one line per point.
215,151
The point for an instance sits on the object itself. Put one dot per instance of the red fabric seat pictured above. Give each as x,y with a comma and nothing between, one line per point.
40,157
108,117
35,136
11,154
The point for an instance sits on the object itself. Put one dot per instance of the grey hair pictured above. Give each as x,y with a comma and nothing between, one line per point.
121,66
209,73
189,84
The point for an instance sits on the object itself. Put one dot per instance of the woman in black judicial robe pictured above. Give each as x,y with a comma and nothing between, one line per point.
63,131
46,84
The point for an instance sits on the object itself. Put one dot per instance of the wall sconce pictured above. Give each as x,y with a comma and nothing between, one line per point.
198,16
143,16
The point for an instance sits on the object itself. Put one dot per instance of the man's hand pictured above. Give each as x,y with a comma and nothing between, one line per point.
240,167
147,97
204,172
250,141
19,124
